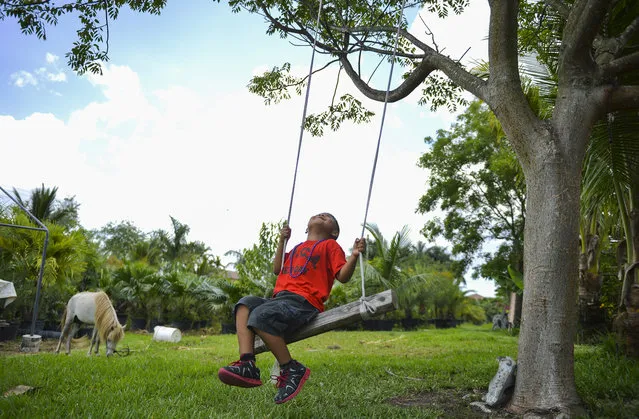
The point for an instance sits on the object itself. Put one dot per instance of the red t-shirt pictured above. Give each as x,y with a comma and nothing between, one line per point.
314,267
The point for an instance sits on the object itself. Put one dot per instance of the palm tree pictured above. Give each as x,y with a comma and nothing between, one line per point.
385,269
388,257
174,243
136,286
45,207
146,251
613,160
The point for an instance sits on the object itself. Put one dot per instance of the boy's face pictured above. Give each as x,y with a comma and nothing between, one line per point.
326,222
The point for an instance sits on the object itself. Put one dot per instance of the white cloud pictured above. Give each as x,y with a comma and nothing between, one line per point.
23,78
51,58
57,77
222,164
40,75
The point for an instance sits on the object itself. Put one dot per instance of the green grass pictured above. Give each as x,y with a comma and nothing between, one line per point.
161,379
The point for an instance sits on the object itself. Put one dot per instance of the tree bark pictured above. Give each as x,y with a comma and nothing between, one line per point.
546,378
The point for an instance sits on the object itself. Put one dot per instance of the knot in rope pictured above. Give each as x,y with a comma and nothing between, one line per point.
366,309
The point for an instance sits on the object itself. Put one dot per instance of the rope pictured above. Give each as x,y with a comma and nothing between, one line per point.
366,309
299,145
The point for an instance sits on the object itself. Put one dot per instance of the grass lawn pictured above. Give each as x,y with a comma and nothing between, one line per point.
427,373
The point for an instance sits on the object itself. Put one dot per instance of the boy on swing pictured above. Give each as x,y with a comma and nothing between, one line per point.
304,283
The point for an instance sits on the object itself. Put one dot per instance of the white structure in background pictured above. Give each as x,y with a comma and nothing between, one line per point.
7,293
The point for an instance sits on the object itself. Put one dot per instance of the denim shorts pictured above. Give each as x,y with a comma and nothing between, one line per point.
281,315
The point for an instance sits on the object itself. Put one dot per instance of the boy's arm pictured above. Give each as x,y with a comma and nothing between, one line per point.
345,274
285,233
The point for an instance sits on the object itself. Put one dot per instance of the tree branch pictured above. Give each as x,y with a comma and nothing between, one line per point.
628,33
505,96
623,98
621,65
431,60
582,27
303,79
303,32
386,52
409,84
372,29
560,7
106,23
502,45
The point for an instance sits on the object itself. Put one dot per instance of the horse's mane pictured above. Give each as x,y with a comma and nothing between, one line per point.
105,318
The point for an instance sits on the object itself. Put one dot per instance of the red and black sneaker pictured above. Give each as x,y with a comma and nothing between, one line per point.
290,381
240,374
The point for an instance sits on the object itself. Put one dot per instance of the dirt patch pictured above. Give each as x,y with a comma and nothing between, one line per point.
455,403
12,347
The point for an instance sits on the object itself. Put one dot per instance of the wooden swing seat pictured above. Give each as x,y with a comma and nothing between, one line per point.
337,317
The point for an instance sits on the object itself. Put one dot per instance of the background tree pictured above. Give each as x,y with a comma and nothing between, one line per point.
21,256
119,239
476,180
255,271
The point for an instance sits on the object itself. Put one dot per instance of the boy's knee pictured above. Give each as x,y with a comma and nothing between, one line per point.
241,309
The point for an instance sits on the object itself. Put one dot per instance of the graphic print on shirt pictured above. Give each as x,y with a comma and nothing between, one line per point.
302,258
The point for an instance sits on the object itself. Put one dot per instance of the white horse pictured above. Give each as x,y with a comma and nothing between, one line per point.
92,308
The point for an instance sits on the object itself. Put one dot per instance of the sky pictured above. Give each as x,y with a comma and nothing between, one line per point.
170,128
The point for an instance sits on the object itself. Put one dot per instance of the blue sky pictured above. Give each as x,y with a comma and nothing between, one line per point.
171,129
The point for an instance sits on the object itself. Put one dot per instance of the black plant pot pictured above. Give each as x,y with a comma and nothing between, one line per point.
228,328
138,324
377,324
412,324
9,332
181,324
152,325
25,326
85,331
445,323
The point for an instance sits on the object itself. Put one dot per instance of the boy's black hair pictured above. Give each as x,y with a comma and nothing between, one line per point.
336,224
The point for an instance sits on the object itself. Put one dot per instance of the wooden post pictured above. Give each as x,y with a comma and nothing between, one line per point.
337,317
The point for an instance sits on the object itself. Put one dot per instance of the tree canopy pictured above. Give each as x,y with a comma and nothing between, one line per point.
476,180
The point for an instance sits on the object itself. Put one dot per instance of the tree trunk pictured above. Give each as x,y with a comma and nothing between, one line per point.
545,378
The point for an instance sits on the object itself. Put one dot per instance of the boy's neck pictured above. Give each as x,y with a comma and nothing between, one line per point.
317,235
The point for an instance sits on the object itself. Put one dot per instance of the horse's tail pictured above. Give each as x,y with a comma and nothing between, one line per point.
64,318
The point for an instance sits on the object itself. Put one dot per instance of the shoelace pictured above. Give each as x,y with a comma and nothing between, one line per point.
239,362
281,379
